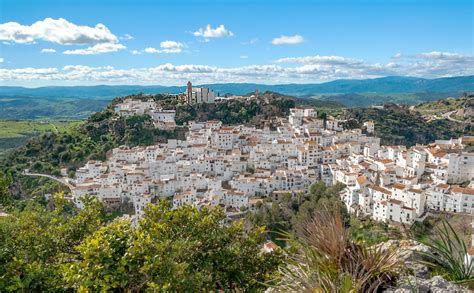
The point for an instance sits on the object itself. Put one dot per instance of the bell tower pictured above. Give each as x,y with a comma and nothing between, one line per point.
189,91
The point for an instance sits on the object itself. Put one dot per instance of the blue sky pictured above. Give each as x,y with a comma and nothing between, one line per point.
166,42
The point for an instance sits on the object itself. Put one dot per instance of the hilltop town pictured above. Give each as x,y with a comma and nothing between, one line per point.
239,166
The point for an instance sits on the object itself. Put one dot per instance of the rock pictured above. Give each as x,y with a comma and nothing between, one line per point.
406,251
436,285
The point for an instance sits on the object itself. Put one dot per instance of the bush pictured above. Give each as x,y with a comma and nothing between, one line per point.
328,261
447,255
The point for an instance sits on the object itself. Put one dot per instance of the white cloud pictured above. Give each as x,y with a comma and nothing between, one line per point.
165,47
288,40
58,31
127,37
1,60
151,50
209,32
397,56
48,51
316,59
307,69
171,47
443,56
244,57
96,49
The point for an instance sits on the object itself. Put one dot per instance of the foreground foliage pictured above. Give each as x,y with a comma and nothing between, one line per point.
448,256
170,250
35,243
329,261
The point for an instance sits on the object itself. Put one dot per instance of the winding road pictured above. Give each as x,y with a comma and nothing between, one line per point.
55,178
447,115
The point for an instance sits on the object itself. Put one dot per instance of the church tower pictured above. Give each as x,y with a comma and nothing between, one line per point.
189,91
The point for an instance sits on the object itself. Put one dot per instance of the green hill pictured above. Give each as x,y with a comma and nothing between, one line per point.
399,125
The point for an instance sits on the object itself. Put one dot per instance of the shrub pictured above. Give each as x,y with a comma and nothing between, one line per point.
329,261
447,255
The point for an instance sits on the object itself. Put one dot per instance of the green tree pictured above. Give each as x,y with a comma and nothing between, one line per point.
35,242
173,250
6,198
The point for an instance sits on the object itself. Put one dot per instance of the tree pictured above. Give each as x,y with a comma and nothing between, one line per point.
34,242
6,198
185,249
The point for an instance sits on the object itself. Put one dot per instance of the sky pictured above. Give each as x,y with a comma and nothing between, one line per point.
272,42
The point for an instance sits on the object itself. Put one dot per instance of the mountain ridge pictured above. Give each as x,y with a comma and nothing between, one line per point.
389,84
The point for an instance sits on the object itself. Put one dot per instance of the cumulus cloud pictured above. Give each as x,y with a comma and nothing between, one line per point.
1,60
209,32
306,69
165,47
171,47
58,31
48,51
151,50
288,40
96,49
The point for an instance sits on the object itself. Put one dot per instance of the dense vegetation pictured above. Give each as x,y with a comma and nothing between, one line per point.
52,246
169,250
368,99
398,125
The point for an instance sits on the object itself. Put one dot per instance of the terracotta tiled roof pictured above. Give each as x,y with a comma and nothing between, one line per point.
469,191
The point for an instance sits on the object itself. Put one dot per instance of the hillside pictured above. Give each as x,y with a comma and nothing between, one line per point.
370,99
461,109
14,133
105,130
399,125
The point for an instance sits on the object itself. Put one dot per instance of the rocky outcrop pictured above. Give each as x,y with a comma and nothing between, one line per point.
436,284
415,276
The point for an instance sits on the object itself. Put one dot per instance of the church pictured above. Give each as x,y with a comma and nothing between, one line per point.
199,95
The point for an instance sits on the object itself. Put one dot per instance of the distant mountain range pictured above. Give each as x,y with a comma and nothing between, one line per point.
78,102
384,85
